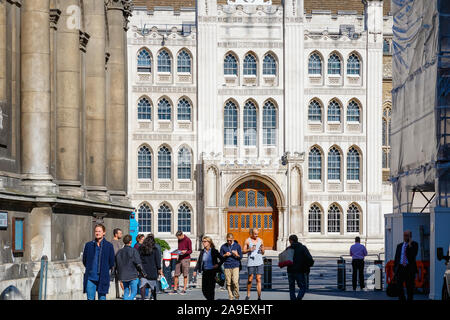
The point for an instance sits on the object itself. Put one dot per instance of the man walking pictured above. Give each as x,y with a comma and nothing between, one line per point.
184,260
405,267
117,234
358,252
298,272
254,247
232,254
129,266
98,258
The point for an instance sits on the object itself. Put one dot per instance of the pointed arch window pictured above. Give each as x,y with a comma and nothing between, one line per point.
164,163
250,124
145,218
184,110
334,64
353,65
353,111
230,124
334,111
230,65
144,163
353,218
315,64
164,219
250,65
269,124
315,219
353,163
184,62
315,164
184,164
314,111
164,110
144,109
269,65
334,219
334,164
144,61
184,218
164,62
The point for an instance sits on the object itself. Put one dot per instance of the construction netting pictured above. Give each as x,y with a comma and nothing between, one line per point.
420,132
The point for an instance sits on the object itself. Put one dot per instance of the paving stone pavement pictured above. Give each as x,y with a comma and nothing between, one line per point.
322,285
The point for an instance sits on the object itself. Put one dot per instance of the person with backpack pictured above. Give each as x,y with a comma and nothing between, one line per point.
299,270
151,263
231,252
129,268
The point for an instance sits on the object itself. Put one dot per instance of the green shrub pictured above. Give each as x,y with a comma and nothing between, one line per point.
163,244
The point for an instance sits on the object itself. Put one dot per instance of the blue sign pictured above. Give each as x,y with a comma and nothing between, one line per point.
134,228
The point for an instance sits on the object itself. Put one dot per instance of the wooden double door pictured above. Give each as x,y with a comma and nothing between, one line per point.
240,223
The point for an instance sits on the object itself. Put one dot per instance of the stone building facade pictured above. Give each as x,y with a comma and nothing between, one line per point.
63,155
259,114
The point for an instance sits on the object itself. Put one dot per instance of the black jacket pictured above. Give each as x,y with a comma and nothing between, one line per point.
128,264
151,263
303,260
411,253
216,259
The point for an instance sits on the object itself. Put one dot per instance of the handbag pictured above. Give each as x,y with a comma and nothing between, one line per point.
393,289
220,278
286,258
164,284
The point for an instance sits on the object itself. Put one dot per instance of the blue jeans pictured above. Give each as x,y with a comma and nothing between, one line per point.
91,289
300,278
130,289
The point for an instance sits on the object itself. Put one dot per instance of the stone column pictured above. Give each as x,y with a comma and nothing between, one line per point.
35,95
68,103
2,51
116,111
95,134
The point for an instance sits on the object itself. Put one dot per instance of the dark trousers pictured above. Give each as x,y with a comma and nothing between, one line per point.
407,277
358,267
300,278
209,284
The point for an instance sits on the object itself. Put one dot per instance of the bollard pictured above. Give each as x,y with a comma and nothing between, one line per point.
192,279
378,275
267,284
341,274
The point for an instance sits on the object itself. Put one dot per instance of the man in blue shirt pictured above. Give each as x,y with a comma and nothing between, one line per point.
98,258
232,255
358,252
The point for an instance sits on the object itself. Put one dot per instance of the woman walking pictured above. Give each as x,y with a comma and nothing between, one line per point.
208,263
151,263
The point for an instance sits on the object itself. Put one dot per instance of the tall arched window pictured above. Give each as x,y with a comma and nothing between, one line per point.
334,111
230,124
230,65
315,219
334,219
315,64
334,164
353,111
164,163
385,137
314,111
184,110
164,219
250,124
269,65
145,218
184,164
353,65
184,218
269,124
386,46
353,216
353,160
334,64
164,61
144,61
250,66
164,110
184,62
315,164
144,109
144,163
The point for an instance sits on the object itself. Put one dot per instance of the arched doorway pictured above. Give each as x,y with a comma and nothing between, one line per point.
253,205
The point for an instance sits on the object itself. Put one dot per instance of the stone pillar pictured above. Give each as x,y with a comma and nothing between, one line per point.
35,95
39,233
282,216
95,134
68,103
116,111
296,209
2,51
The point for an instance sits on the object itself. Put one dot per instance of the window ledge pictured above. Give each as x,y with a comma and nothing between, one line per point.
145,120
184,121
356,76
315,181
336,76
184,73
312,75
250,76
314,122
354,181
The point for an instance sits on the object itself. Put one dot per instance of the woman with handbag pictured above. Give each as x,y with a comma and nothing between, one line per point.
208,264
151,263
